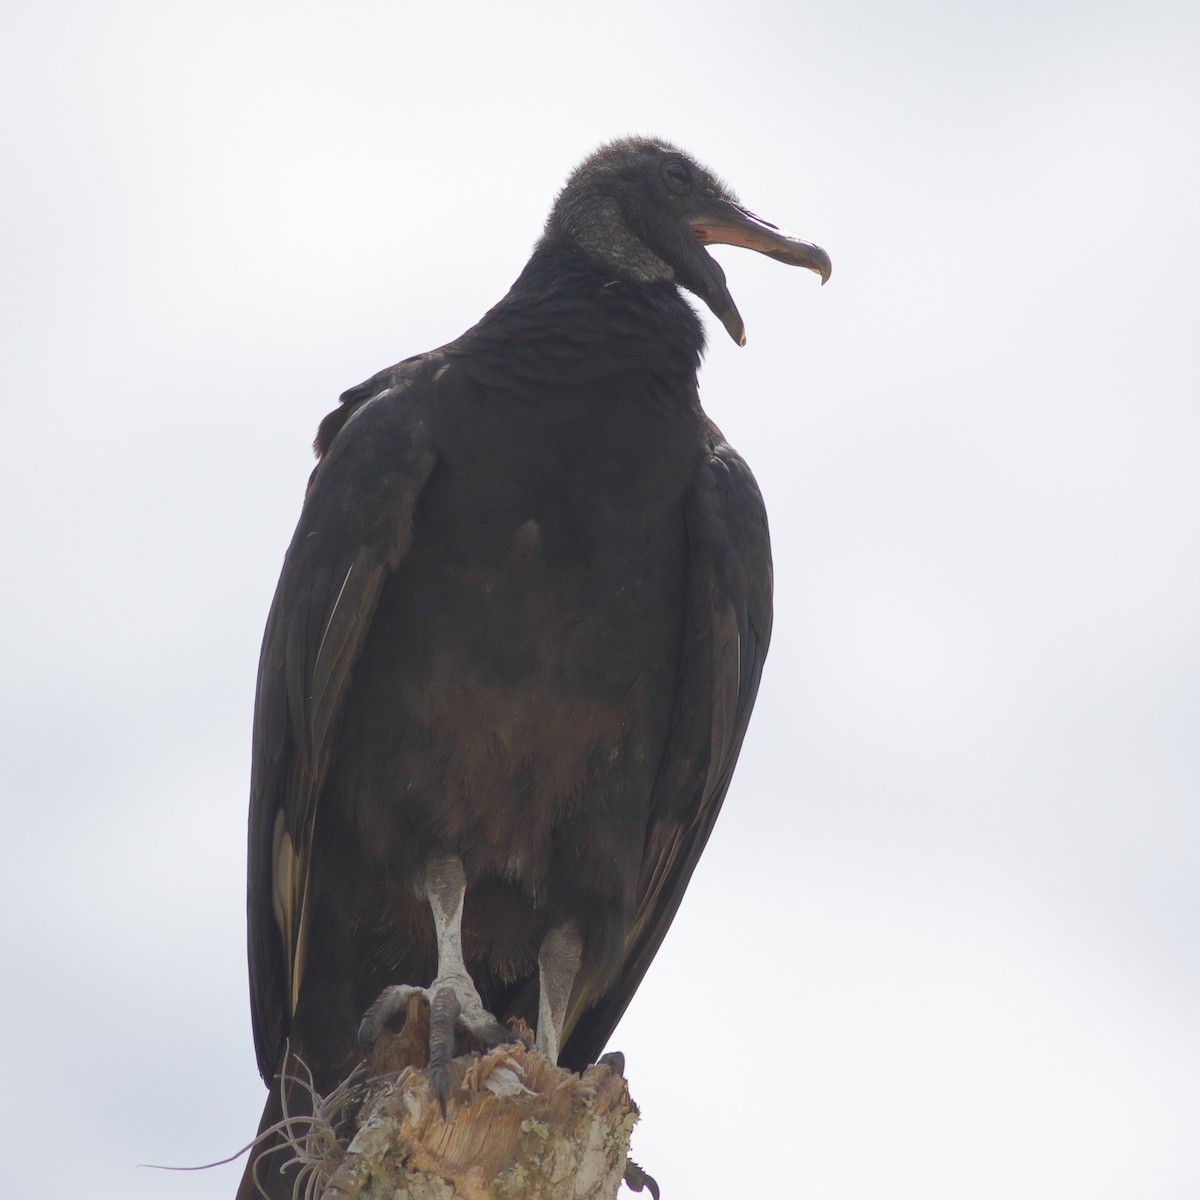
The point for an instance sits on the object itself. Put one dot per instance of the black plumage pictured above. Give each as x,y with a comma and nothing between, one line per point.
520,627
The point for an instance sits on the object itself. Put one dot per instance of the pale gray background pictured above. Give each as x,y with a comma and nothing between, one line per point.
944,941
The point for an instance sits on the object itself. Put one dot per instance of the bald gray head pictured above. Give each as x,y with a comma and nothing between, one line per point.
644,210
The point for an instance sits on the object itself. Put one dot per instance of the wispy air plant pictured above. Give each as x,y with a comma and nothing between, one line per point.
316,1139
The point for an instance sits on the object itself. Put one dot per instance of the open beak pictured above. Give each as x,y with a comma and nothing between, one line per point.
727,222
740,227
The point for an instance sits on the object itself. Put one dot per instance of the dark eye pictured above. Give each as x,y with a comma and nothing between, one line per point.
677,176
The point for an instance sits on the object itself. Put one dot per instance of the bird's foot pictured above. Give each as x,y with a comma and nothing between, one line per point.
454,1005
635,1178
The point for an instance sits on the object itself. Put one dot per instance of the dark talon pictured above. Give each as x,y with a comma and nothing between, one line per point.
443,1016
368,1032
613,1059
636,1178
365,1038
388,1003
497,1035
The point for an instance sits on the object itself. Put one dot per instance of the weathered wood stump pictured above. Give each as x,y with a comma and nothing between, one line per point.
516,1126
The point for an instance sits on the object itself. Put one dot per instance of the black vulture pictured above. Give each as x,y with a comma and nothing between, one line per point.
514,647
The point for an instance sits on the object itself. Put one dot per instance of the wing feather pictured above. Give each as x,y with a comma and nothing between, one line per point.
729,582
355,528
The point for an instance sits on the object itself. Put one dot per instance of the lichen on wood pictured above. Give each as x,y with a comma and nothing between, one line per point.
517,1127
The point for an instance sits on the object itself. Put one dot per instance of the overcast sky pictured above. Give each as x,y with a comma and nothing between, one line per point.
944,942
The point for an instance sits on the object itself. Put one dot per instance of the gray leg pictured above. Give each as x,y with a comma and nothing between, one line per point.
453,998
558,964
446,887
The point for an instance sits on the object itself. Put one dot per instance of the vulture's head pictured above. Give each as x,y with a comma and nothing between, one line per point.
645,210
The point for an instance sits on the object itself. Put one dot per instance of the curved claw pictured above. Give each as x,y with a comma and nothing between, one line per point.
389,1002
495,1034
443,1017
615,1060
636,1179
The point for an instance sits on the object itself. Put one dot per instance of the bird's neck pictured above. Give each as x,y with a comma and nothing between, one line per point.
568,310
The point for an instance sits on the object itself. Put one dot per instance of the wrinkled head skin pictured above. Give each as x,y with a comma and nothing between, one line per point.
645,210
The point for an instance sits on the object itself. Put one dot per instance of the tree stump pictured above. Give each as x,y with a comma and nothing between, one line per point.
517,1127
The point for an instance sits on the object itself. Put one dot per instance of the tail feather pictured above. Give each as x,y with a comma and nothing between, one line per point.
262,1179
